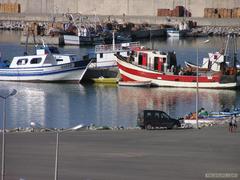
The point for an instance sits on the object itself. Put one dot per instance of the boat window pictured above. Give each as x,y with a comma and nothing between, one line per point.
140,59
156,63
118,53
35,60
22,61
59,60
101,55
164,60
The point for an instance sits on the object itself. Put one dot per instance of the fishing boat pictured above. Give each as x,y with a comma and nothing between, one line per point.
135,83
46,66
162,70
104,64
172,32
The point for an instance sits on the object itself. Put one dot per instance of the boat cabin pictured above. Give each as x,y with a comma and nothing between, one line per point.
33,61
45,56
155,60
105,53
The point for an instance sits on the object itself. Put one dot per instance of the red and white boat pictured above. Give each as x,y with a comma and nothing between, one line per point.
162,70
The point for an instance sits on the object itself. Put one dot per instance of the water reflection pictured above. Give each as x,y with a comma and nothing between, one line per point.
66,105
176,101
48,104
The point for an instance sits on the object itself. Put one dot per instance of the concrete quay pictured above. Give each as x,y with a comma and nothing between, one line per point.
188,154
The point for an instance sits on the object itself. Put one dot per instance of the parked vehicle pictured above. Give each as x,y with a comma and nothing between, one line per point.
150,119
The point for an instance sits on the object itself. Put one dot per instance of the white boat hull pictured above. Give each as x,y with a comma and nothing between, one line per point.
176,33
71,40
66,72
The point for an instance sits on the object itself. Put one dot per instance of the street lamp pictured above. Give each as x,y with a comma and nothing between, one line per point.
33,124
4,97
197,93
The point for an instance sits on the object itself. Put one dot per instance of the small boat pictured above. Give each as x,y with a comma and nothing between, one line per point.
105,80
205,121
224,114
135,83
104,63
172,32
80,40
162,70
45,66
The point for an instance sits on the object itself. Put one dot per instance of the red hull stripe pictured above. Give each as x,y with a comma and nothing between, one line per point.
160,76
125,78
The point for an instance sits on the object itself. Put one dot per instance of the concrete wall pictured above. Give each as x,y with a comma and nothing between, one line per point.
118,7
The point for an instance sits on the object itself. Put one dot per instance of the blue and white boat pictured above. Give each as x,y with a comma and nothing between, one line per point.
45,66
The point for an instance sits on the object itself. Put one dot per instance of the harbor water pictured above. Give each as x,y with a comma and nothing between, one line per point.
65,105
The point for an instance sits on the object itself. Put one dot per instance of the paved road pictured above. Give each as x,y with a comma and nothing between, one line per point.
124,154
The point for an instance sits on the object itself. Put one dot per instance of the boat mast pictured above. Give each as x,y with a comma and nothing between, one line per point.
113,40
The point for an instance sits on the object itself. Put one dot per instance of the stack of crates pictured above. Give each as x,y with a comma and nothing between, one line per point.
222,13
10,8
178,11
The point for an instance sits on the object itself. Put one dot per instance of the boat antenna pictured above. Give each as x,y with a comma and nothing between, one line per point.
43,42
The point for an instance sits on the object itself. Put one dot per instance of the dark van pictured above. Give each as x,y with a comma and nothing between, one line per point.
150,119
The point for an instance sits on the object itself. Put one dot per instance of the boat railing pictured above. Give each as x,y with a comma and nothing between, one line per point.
116,47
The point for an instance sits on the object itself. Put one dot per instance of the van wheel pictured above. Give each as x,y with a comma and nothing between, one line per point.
148,127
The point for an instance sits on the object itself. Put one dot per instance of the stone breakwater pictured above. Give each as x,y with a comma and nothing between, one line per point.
23,18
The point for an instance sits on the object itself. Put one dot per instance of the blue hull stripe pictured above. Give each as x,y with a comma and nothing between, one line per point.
40,73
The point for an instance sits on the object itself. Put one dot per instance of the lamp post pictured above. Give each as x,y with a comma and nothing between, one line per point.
4,97
33,124
197,92
197,85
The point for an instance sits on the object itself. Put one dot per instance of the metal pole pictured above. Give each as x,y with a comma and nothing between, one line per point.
197,92
56,158
3,139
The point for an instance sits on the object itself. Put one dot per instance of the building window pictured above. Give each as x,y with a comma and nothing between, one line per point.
101,55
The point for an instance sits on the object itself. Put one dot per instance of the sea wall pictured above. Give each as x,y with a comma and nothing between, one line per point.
119,7
136,11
